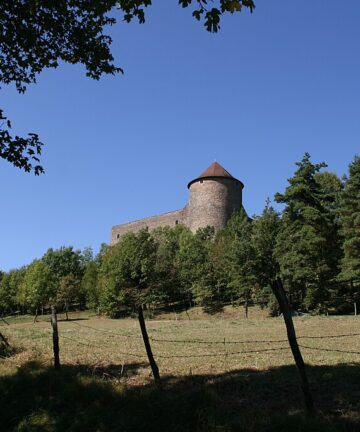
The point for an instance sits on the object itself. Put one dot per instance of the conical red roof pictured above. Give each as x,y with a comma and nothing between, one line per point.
214,170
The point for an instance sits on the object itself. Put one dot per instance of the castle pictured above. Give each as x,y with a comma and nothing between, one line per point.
213,197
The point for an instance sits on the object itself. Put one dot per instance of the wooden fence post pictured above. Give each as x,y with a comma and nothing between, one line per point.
225,356
279,292
55,337
3,338
3,319
153,365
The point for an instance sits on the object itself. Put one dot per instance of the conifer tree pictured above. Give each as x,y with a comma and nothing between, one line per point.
350,222
331,189
304,246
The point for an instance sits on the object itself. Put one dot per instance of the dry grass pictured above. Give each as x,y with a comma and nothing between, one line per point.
231,348
233,342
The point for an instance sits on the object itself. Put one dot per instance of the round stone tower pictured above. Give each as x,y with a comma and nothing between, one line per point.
213,197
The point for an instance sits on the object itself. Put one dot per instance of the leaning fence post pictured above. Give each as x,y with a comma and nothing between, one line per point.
279,292
3,338
55,337
3,319
145,336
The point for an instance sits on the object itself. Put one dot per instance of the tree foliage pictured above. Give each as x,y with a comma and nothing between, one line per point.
127,273
67,267
305,244
240,259
350,222
313,245
89,284
265,230
39,285
21,152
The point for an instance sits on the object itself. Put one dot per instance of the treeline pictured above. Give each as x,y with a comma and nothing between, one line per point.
313,245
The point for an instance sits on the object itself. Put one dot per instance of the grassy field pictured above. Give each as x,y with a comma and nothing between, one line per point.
220,373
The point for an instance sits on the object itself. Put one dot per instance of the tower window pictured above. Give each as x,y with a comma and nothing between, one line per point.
176,222
118,236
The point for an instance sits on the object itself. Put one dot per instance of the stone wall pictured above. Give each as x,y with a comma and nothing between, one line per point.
166,219
212,202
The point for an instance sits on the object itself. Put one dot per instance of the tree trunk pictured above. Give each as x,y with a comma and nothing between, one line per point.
3,319
3,338
66,311
353,293
153,365
55,337
246,308
280,295
36,315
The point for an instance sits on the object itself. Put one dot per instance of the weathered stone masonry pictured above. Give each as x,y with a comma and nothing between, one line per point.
213,197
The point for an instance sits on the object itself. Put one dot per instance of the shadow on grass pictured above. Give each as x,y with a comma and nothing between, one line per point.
8,350
40,399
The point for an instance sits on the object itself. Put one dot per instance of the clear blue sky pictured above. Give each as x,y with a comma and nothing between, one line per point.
255,97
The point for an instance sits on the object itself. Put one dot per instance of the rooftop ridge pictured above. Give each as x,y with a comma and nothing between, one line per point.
215,170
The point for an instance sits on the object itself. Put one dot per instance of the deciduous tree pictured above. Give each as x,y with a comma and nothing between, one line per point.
68,291
265,229
131,271
240,259
89,284
39,285
66,262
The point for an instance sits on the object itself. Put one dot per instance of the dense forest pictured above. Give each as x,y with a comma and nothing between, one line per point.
313,245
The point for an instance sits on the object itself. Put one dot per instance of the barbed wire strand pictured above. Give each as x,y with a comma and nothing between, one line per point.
231,353
220,354
101,347
256,351
210,342
88,344
329,350
107,331
252,341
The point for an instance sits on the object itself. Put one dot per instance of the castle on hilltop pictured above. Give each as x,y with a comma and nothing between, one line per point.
213,197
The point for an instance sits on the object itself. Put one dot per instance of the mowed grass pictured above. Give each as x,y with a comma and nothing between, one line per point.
220,372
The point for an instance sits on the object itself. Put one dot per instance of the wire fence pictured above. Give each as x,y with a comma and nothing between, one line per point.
212,342
94,344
